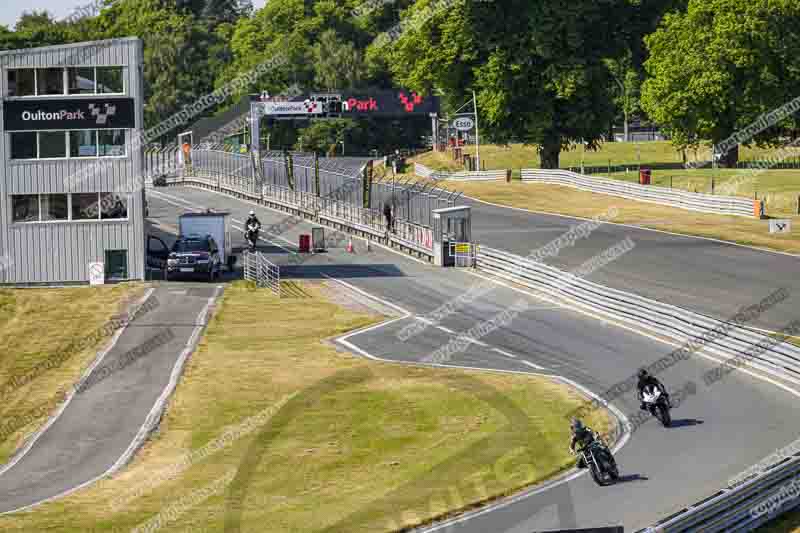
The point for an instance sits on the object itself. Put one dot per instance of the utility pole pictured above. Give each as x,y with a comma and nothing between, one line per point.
477,137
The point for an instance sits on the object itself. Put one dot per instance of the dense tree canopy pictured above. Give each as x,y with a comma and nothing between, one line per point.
537,66
716,67
550,73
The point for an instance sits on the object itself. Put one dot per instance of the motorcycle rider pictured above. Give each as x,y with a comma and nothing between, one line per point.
582,436
648,380
252,219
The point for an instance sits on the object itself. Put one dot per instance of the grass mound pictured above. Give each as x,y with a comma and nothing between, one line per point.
319,440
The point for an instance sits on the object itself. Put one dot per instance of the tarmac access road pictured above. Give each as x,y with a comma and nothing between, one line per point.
102,426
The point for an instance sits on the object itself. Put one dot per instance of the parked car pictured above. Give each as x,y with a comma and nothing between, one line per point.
157,253
194,255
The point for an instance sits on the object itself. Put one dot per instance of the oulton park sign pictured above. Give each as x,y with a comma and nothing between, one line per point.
369,103
73,114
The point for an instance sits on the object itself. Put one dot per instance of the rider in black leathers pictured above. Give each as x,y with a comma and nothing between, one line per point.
582,437
252,219
647,380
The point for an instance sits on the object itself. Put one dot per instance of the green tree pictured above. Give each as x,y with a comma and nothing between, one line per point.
536,65
626,88
176,70
717,67
337,64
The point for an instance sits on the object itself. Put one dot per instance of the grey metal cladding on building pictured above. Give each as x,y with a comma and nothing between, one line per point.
49,252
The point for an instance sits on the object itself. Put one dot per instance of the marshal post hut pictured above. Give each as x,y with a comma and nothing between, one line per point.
71,190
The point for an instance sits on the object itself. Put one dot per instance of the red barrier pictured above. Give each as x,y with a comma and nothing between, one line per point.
305,243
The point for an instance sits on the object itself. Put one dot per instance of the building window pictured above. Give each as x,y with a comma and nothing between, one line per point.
21,82
112,143
25,207
69,207
85,206
83,143
23,145
109,80
52,144
55,207
60,144
113,206
49,81
81,80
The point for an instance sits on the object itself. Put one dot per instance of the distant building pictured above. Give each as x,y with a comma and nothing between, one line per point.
639,131
71,189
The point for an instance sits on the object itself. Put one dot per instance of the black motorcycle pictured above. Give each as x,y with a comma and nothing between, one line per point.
251,235
655,402
600,461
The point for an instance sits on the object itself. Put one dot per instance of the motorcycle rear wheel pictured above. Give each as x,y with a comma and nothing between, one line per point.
665,418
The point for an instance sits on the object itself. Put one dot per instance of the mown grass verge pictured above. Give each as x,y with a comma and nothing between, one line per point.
344,444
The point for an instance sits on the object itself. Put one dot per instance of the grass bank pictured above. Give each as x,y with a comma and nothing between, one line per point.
780,189
568,201
655,154
49,337
341,443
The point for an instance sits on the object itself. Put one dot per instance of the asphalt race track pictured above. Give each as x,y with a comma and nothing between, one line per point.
719,431
707,276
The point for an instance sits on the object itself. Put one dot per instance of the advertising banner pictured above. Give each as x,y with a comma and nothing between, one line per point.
72,114
395,103
291,108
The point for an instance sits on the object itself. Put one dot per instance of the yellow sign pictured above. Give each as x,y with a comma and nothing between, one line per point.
462,248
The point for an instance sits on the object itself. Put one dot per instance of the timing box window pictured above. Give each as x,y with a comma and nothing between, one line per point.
67,144
72,207
65,81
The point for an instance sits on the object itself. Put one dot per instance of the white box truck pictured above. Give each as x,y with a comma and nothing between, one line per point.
218,225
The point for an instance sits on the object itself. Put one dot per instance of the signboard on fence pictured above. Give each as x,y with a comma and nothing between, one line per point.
317,239
97,274
305,107
780,226
463,248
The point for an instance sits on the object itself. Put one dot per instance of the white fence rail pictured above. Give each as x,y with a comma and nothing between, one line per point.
734,508
746,507
261,271
781,359
707,203
482,175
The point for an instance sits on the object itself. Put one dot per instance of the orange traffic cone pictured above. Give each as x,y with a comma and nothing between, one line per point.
350,245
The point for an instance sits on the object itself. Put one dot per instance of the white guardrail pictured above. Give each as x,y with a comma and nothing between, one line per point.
482,175
737,507
707,203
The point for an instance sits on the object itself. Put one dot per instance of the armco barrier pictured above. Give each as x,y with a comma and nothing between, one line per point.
482,175
781,360
707,203
743,507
